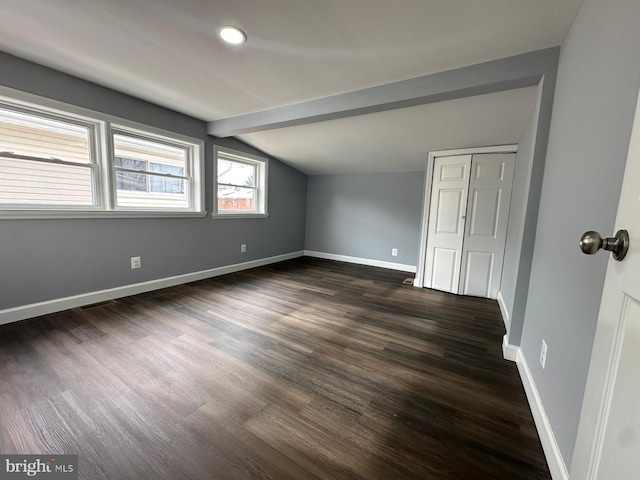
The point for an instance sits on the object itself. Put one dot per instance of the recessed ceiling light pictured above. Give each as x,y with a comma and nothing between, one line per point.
232,35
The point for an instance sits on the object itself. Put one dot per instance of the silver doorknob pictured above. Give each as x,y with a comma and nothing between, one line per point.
591,242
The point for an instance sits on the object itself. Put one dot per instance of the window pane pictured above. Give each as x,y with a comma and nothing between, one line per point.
130,163
33,136
144,189
164,184
31,182
128,180
236,173
166,193
148,151
168,169
235,198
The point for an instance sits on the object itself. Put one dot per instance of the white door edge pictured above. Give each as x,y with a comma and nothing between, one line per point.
620,291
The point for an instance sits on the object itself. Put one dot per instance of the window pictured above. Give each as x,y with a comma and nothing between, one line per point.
46,160
240,185
59,160
150,173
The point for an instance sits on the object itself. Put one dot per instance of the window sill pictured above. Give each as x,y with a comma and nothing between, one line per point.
85,214
239,215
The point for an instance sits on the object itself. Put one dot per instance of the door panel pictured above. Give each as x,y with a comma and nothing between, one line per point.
489,171
454,172
620,445
485,212
447,222
481,263
486,228
445,263
449,211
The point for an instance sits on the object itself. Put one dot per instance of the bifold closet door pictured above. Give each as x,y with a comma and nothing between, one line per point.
446,222
468,214
486,224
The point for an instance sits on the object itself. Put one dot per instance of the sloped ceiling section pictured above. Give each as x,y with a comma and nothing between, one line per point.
399,140
168,52
338,134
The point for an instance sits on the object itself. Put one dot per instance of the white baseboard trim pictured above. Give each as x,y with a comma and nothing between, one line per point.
362,261
505,313
552,453
509,352
42,308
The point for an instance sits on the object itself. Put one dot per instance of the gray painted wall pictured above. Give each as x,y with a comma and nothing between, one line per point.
365,215
47,259
598,80
517,213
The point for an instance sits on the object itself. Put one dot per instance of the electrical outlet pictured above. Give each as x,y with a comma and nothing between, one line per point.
136,263
394,252
543,354
243,248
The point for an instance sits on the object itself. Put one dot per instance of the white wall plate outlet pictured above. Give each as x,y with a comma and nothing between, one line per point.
136,263
543,354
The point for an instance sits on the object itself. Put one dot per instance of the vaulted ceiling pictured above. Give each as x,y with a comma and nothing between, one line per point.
168,52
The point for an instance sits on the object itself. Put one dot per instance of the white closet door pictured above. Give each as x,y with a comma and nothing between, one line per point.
486,226
446,222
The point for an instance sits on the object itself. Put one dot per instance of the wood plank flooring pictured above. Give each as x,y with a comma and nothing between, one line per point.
306,369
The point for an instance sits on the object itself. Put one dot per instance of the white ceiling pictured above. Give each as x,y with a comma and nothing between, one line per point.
167,52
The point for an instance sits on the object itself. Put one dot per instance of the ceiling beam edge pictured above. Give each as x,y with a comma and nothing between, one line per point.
490,77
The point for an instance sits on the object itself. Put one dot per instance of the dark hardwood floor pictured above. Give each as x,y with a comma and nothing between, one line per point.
306,369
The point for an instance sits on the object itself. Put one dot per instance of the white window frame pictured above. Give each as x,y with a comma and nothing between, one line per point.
93,126
260,203
103,126
119,129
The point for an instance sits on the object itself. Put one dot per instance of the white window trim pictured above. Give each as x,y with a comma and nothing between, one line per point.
191,171
105,182
262,164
